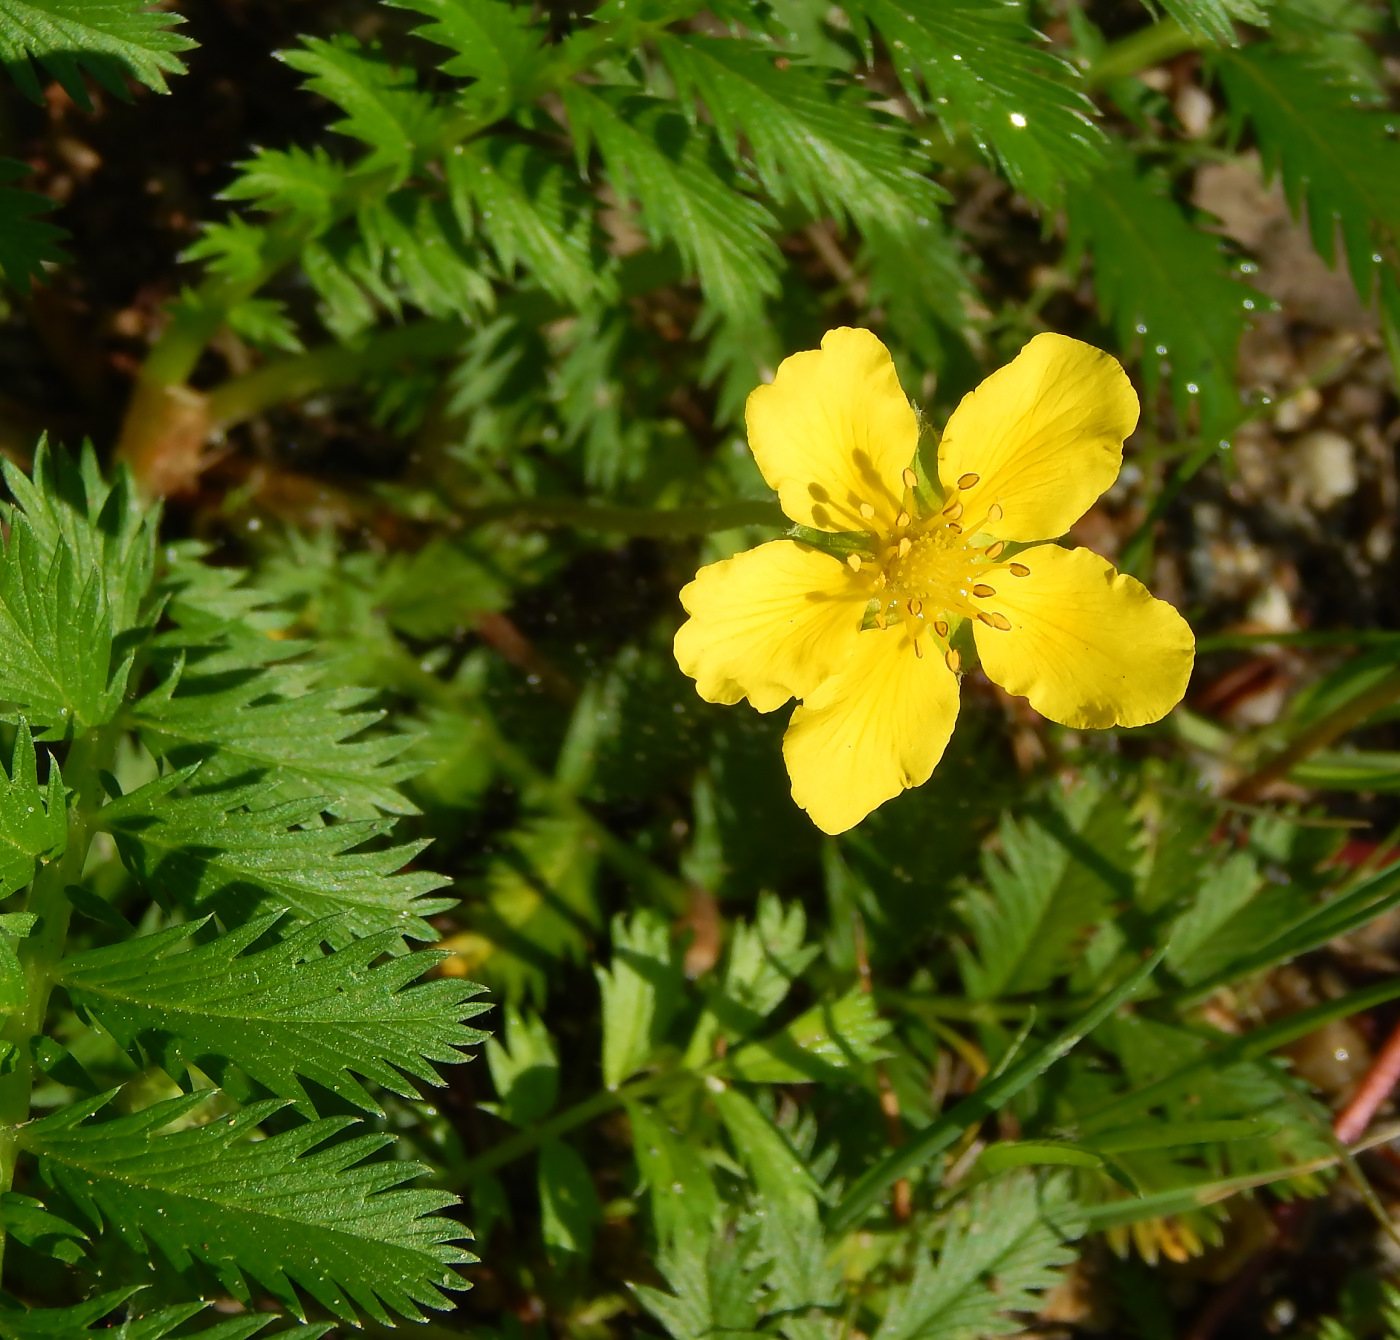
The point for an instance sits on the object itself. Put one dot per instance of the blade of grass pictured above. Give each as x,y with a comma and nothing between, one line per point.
987,1098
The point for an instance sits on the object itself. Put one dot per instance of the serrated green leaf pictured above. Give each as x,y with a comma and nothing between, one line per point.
824,1040
76,572
67,1323
265,324
1004,1249
1023,106
406,249
33,819
383,105
684,1202
111,40
232,849
1163,284
277,1211
276,723
1214,20
656,159
810,140
497,45
26,1220
305,182
640,993
26,239
1338,159
288,1012
531,209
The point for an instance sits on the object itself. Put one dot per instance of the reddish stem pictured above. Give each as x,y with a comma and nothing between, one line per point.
1382,1077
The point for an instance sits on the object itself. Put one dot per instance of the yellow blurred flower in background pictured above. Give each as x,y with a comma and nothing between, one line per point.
865,642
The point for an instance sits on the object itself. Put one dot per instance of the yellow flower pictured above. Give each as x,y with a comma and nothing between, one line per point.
865,643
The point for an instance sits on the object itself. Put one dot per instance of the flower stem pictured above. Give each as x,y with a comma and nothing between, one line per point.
1146,47
523,1142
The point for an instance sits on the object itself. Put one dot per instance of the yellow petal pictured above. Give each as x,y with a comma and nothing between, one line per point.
834,431
1044,437
769,624
1087,645
871,731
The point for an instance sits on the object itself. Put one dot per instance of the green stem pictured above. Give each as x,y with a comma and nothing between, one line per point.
302,375
652,521
1138,51
561,1123
1323,732
41,950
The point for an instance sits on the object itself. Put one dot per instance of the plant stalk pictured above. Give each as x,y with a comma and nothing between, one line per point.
1138,51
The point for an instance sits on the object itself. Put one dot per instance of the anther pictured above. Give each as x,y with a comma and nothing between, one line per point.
953,511
994,550
994,512
953,660
996,620
902,520
880,582
916,607
1020,570
910,478
881,622
982,590
940,626
853,562
954,527
968,480
918,650
905,545
867,511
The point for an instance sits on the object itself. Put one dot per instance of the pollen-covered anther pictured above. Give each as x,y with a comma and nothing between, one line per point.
954,527
982,590
940,626
905,545
995,619
880,582
995,513
867,511
902,520
881,622
1020,570
918,650
910,478
968,480
916,607
953,660
994,550
953,511
853,562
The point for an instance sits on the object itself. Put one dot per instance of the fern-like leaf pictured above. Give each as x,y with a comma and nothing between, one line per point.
383,105
229,849
68,1323
1214,20
1339,160
809,142
1005,1247
656,159
26,239
1162,283
111,40
494,44
279,1211
984,72
284,1013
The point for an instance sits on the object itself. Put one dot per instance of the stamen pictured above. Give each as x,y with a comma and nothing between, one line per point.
953,660
982,590
880,582
910,478
916,607
853,562
867,511
881,622
905,545
994,550
902,520
940,626
994,512
968,480
954,527
1020,570
995,620
918,650
953,511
